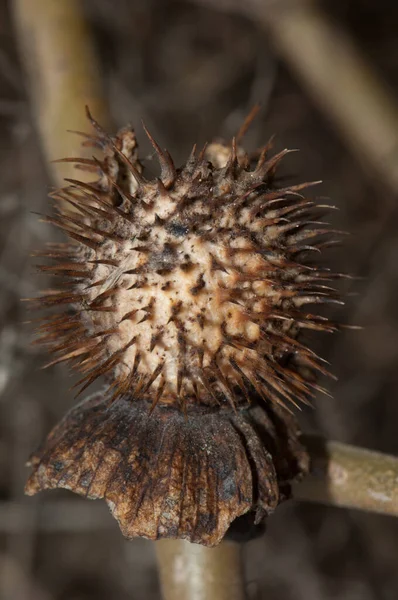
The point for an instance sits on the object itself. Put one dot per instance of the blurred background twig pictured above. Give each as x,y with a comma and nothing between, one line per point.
333,71
63,74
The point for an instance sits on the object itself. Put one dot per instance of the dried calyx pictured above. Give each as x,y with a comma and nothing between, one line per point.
188,293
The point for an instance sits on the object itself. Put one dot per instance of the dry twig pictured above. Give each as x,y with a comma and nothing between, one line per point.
193,572
63,74
344,475
333,71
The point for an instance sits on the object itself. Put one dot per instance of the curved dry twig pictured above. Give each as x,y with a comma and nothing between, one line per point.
63,75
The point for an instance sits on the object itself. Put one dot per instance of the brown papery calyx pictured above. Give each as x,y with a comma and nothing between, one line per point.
188,292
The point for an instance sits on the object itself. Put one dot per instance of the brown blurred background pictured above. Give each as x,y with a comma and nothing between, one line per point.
192,73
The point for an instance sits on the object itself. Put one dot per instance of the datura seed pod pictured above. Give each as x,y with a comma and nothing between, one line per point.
188,292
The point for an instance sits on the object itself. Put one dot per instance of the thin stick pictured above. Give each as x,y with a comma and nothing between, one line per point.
334,72
344,475
63,74
193,572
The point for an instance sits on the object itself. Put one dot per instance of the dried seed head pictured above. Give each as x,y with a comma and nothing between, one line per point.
188,292
190,288
171,476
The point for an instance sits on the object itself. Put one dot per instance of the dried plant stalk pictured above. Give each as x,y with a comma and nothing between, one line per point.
63,75
193,572
344,475
336,75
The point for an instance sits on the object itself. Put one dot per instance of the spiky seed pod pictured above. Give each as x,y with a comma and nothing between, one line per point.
188,288
187,292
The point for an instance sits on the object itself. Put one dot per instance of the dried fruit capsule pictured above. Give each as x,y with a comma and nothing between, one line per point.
188,293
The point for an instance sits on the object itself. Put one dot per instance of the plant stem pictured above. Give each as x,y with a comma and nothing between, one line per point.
336,75
63,75
193,572
344,475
